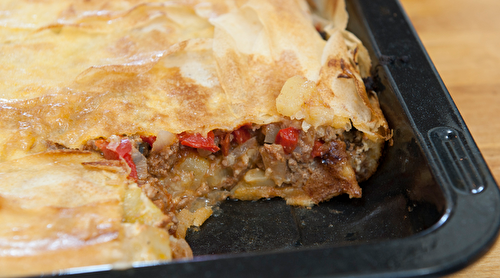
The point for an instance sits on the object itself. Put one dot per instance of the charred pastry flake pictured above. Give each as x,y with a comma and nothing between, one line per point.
343,75
346,71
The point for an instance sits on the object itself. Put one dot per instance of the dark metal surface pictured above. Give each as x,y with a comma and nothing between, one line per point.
417,215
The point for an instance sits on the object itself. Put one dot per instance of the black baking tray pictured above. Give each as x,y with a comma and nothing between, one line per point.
432,207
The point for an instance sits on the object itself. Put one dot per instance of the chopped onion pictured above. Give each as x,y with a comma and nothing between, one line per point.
271,132
240,150
141,164
164,139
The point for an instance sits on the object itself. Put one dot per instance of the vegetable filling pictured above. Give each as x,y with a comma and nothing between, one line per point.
190,171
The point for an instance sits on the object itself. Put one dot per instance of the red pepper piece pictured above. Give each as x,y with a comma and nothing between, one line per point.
198,141
288,138
122,151
149,139
318,149
242,135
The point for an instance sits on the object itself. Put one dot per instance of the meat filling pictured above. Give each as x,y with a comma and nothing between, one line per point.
276,160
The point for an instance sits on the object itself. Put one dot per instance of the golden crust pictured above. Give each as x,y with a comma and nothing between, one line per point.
31,238
56,213
144,73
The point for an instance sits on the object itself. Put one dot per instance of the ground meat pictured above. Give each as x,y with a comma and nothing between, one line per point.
160,163
172,224
284,169
157,193
321,178
353,139
328,133
305,146
181,202
163,200
359,153
228,183
299,172
332,175
275,161
202,190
